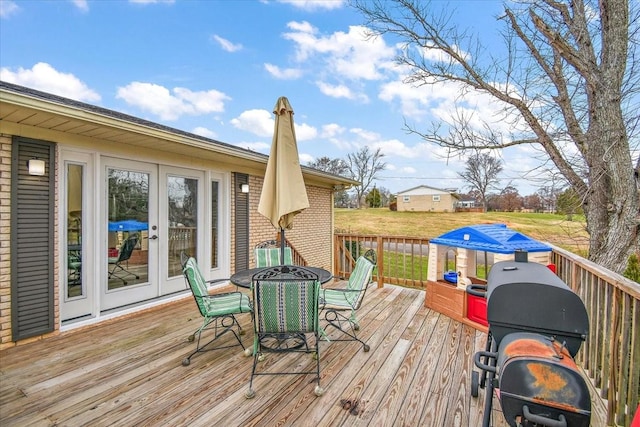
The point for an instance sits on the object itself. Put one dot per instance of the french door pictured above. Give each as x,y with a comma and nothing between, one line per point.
130,231
129,252
182,218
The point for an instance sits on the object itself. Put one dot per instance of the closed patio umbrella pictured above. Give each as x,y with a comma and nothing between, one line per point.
283,193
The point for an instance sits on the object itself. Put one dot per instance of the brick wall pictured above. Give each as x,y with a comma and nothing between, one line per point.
312,230
5,240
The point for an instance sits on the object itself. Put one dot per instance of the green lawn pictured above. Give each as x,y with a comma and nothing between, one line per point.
555,229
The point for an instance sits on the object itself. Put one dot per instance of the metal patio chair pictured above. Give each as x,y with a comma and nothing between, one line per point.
267,254
285,311
218,310
335,301
124,254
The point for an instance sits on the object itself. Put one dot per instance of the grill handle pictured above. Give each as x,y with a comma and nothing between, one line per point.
477,290
542,420
488,355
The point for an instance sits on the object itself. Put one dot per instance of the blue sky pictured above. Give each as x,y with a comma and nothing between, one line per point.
216,68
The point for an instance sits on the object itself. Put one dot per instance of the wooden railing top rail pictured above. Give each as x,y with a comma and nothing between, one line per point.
626,285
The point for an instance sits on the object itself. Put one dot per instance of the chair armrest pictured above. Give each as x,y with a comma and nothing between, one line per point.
219,295
350,296
214,281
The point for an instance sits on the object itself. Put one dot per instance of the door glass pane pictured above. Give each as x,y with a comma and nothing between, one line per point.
214,223
75,287
182,205
127,245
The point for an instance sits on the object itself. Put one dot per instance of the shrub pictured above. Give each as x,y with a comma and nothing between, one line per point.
633,269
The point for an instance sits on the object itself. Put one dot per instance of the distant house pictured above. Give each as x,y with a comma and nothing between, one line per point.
427,199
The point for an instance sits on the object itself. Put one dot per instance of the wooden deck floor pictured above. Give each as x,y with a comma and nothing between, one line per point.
128,372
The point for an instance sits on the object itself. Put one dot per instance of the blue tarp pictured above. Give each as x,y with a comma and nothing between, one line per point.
128,225
495,238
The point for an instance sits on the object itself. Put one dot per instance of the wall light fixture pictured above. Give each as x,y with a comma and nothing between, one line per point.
36,167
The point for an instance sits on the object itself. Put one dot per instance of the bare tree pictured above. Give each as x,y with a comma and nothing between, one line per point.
567,78
481,173
510,199
364,165
334,166
533,202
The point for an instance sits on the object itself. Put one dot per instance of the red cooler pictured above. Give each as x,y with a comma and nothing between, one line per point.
477,304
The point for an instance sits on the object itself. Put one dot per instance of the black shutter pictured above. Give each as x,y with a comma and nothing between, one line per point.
242,222
32,240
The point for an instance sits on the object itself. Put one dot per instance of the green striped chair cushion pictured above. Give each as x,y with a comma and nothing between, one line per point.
358,281
286,306
213,305
269,257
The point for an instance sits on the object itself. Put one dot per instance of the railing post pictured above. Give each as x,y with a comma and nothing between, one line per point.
380,258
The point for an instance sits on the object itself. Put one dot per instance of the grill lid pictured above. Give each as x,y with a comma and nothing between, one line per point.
528,297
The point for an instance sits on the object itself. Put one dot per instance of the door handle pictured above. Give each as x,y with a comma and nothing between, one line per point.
154,237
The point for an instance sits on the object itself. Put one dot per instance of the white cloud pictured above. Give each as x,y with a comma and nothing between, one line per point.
44,77
283,73
368,136
81,4
339,91
259,147
438,55
262,122
258,122
331,130
226,44
305,158
344,55
313,5
304,132
170,106
202,131
335,91
8,8
408,170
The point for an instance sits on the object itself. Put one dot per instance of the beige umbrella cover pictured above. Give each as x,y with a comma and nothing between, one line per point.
283,193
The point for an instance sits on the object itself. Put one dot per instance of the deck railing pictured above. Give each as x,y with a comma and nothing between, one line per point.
611,353
402,260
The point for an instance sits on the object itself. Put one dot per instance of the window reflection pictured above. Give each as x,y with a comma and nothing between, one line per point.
214,223
182,204
128,213
74,286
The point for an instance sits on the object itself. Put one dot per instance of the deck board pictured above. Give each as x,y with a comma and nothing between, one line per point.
128,371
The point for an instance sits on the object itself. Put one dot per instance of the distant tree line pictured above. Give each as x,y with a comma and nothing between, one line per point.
481,177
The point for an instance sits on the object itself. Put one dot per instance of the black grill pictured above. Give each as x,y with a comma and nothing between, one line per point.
528,297
536,326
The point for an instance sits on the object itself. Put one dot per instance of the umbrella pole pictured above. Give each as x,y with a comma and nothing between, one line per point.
282,245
